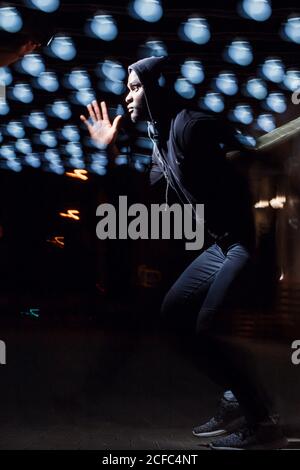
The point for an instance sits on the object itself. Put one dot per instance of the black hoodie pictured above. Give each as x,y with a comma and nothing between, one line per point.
190,151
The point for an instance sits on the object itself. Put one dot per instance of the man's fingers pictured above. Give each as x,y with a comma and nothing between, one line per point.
97,110
91,112
117,122
104,111
86,122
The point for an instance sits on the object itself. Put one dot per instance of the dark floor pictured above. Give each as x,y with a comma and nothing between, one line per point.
79,385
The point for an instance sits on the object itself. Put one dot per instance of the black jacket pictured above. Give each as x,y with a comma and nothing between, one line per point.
192,152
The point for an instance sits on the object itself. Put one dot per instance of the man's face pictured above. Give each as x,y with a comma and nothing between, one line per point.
9,56
135,99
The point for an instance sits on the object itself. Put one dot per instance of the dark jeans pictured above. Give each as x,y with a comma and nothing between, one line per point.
192,304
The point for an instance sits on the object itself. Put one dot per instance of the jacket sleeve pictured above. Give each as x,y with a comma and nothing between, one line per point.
199,142
206,137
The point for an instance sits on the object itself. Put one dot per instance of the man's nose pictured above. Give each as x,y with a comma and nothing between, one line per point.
128,98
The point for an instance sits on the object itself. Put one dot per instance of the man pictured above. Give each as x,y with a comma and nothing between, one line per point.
189,151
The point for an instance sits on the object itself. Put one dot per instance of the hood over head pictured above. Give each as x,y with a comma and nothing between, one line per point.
151,73
149,70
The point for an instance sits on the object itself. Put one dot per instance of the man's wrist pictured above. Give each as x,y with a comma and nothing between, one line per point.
113,152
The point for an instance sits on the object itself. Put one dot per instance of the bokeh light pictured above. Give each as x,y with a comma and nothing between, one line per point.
258,10
192,70
48,81
23,146
48,6
14,165
22,92
61,109
214,102
8,152
63,48
33,64
71,133
10,19
84,96
184,88
15,129
33,160
76,162
292,29
246,139
227,83
273,70
276,102
195,30
292,79
112,70
99,162
147,10
109,86
48,138
243,113
38,120
4,108
57,168
257,88
5,76
104,27
239,52
78,79
266,122
152,48
74,149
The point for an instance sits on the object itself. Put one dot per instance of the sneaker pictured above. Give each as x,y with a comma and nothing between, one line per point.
227,419
266,436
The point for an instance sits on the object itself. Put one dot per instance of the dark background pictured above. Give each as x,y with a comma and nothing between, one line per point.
93,370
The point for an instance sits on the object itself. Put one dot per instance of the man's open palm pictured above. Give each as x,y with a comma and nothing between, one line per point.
101,130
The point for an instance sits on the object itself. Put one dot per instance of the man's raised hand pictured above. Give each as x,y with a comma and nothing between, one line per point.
101,130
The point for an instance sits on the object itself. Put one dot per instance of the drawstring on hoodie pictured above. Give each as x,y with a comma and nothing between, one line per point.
164,168
161,161
153,136
156,151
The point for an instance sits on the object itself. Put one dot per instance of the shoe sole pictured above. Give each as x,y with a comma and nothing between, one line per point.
293,440
220,432
279,444
232,426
